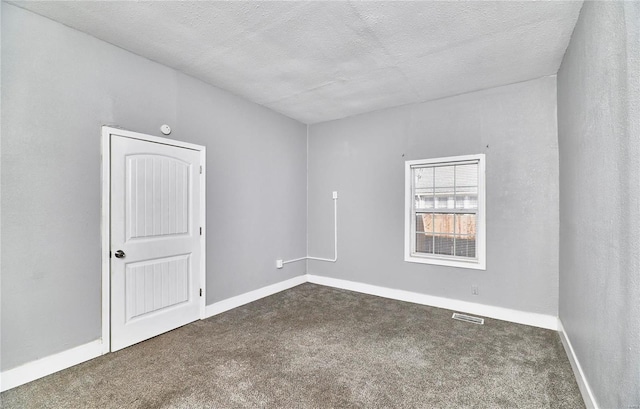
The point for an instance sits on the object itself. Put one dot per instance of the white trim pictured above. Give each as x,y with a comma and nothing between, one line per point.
242,299
57,362
53,363
504,314
481,262
447,160
203,238
74,356
581,379
150,138
105,224
107,131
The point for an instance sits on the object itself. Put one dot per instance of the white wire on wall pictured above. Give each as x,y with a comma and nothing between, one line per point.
335,238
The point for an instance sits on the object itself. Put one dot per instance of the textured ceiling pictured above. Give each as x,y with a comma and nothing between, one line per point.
318,61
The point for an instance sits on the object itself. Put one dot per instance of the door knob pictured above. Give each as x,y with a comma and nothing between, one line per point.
120,254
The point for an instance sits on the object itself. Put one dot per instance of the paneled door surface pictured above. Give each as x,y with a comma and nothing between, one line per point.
155,239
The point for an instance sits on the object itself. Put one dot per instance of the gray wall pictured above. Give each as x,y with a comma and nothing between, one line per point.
59,87
363,158
599,140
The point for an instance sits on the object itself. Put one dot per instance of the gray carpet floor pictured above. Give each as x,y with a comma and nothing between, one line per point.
319,347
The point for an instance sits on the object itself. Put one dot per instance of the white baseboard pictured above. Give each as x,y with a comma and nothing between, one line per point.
504,314
54,363
242,299
50,364
583,385
66,359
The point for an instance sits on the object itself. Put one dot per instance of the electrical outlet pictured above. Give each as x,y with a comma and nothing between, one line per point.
474,290
279,263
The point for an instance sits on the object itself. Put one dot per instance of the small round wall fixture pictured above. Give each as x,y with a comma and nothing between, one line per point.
165,129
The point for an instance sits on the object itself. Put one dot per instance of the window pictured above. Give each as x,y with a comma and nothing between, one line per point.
445,211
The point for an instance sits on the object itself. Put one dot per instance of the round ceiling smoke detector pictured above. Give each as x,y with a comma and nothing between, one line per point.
165,129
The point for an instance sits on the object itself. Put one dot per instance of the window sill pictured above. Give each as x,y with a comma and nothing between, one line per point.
474,265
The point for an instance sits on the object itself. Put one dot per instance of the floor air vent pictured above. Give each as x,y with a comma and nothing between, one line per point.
468,318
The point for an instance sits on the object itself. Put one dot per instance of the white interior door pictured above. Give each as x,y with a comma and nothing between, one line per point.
155,239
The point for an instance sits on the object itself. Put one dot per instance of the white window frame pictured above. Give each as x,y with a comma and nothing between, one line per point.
479,263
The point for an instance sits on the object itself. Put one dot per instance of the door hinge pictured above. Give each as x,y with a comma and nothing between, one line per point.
201,292
201,231
201,169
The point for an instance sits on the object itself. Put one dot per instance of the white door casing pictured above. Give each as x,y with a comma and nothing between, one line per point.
156,213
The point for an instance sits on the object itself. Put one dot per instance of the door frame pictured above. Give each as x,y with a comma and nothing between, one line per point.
105,224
